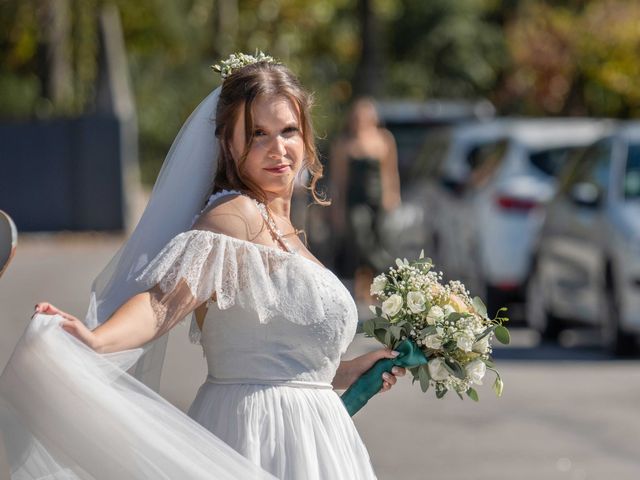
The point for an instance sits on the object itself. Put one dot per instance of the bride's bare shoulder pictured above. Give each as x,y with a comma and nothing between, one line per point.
234,215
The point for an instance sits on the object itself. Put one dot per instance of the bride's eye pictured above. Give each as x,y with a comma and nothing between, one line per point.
290,131
259,133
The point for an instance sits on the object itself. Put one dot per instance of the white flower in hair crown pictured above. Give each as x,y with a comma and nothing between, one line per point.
240,60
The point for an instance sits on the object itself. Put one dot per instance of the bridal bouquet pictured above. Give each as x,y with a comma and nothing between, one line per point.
443,335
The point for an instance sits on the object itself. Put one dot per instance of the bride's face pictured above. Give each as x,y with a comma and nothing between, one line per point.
277,150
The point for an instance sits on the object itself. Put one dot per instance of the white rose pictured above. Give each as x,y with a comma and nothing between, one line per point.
475,371
482,345
437,370
436,314
433,341
377,287
415,302
464,342
392,305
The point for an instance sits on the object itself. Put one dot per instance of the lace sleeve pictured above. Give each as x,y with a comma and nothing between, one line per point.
198,263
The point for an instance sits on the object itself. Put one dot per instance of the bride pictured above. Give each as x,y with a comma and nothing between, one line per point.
272,321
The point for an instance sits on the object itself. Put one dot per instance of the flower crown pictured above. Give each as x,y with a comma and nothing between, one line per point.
237,61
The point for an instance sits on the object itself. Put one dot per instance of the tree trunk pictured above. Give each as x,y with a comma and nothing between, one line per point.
369,76
55,21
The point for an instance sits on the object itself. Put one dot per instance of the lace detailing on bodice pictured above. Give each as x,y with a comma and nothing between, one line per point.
268,281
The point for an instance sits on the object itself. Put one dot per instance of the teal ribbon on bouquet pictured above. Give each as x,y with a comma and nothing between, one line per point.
370,382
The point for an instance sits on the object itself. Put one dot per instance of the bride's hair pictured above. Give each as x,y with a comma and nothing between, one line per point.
243,86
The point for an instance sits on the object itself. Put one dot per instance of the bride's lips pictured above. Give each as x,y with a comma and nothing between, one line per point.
279,168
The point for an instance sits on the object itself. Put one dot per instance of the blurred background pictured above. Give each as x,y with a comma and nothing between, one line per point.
508,125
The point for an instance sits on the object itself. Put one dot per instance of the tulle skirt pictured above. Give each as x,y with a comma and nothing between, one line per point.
69,413
292,432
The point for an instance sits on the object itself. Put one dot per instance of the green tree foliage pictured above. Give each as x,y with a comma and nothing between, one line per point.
528,56
574,58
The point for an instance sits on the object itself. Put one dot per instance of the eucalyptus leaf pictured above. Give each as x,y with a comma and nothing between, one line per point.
441,392
387,338
454,368
486,332
502,334
369,327
431,329
380,334
472,394
396,331
423,375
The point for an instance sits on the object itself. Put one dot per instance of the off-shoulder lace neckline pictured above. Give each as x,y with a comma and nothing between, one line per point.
261,246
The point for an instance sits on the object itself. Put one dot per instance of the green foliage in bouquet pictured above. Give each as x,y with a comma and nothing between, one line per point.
452,329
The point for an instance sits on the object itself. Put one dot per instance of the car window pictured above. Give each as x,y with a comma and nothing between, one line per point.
432,154
550,161
592,167
632,173
484,161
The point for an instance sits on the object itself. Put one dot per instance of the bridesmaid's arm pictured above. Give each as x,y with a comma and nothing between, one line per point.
350,370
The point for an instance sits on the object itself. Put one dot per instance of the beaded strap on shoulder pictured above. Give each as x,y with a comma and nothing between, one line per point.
273,227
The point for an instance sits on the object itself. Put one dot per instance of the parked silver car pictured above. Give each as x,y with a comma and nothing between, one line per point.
483,192
587,258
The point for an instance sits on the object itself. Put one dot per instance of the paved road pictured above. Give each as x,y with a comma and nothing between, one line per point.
567,413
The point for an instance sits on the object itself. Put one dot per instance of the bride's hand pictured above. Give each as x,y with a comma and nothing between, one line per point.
70,324
361,364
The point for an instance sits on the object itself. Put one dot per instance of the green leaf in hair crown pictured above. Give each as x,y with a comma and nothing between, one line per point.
237,61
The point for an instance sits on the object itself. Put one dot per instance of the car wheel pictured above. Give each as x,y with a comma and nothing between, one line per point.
537,314
615,339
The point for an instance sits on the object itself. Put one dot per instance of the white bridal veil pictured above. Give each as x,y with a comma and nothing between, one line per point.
179,194
68,413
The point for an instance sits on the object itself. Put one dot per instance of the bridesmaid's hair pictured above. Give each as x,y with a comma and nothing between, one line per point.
243,86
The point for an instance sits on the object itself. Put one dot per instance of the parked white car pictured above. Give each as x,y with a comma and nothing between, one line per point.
506,199
587,260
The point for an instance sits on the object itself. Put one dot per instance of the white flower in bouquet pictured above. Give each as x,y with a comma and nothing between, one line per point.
451,328
437,370
435,315
476,370
464,341
433,341
482,345
377,287
392,305
416,302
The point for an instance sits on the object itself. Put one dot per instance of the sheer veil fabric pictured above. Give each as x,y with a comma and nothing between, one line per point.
67,412
180,191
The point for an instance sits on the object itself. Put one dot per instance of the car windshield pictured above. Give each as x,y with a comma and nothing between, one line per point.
552,160
632,173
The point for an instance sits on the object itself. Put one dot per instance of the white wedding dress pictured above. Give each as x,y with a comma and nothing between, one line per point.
272,337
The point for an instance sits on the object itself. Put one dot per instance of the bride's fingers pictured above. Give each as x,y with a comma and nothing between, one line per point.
45,307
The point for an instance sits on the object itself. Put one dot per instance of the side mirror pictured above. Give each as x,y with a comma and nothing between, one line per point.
8,240
586,195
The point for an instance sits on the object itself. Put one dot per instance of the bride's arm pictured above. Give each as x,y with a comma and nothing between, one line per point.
139,320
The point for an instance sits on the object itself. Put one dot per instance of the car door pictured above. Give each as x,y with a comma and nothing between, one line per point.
573,249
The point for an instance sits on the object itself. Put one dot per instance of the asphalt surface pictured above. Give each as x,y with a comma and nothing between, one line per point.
568,412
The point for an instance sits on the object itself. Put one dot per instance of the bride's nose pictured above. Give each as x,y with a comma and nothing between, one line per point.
277,147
